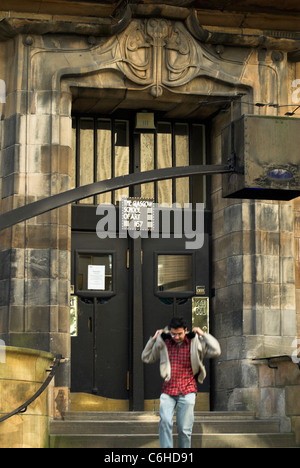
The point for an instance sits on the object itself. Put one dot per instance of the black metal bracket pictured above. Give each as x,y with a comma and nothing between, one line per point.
270,358
56,201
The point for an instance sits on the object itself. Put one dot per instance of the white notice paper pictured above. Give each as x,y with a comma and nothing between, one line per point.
96,277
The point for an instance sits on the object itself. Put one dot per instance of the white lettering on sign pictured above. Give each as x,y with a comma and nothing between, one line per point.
137,214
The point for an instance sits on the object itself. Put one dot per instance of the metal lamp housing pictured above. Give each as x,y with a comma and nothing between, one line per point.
266,155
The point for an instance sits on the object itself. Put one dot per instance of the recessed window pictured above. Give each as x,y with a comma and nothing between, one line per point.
100,152
94,272
104,148
174,273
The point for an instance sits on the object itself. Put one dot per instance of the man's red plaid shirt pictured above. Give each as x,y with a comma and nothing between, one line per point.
182,378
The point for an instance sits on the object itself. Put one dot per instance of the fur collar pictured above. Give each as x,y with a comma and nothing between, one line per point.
166,335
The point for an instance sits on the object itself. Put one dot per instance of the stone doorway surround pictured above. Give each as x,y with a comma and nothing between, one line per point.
157,64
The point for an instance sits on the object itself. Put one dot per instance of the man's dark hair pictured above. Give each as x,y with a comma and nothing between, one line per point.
177,322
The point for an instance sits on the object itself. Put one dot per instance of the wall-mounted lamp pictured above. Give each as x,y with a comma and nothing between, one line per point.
266,150
144,122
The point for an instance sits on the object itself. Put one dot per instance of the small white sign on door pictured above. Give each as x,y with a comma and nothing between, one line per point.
96,277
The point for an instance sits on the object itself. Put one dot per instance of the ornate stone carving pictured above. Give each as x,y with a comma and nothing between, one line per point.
158,52
153,53
163,53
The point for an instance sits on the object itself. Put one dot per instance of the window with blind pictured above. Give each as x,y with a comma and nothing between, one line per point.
104,148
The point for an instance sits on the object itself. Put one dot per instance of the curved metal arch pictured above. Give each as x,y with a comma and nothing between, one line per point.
56,201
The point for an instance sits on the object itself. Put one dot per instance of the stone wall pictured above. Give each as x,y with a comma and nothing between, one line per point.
296,206
279,394
35,278
254,307
22,373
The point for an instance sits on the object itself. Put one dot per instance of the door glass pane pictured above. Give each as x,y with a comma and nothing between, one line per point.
182,159
175,273
91,279
147,161
121,163
86,172
198,157
164,159
104,165
178,144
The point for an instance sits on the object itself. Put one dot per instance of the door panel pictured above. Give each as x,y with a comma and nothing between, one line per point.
100,351
162,299
116,315
82,362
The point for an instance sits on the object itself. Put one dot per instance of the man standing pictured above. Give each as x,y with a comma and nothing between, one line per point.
181,357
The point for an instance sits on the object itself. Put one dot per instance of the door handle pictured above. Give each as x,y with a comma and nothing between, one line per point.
90,324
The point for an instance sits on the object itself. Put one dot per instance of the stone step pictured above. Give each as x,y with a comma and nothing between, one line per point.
151,427
133,430
149,415
151,441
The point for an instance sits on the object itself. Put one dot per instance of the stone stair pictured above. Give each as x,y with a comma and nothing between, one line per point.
140,430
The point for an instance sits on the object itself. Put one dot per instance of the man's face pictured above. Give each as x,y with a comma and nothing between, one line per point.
178,334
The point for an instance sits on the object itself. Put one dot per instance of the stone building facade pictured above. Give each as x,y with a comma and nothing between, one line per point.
194,62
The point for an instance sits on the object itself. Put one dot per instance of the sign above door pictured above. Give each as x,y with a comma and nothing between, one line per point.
137,214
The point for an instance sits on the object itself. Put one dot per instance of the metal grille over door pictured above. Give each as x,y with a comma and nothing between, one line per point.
106,148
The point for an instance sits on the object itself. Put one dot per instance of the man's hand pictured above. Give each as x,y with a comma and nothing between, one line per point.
198,331
156,334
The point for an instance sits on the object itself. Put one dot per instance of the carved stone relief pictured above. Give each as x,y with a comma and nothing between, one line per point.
158,52
153,53
161,53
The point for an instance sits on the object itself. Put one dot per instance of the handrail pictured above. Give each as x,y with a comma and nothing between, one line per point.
23,408
269,358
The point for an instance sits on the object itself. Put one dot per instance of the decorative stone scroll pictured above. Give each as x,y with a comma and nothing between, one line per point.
152,53
163,53
158,52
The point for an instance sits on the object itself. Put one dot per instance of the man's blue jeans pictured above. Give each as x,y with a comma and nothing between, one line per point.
184,418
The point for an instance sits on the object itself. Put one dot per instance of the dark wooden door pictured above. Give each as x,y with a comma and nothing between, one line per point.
100,349
171,277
